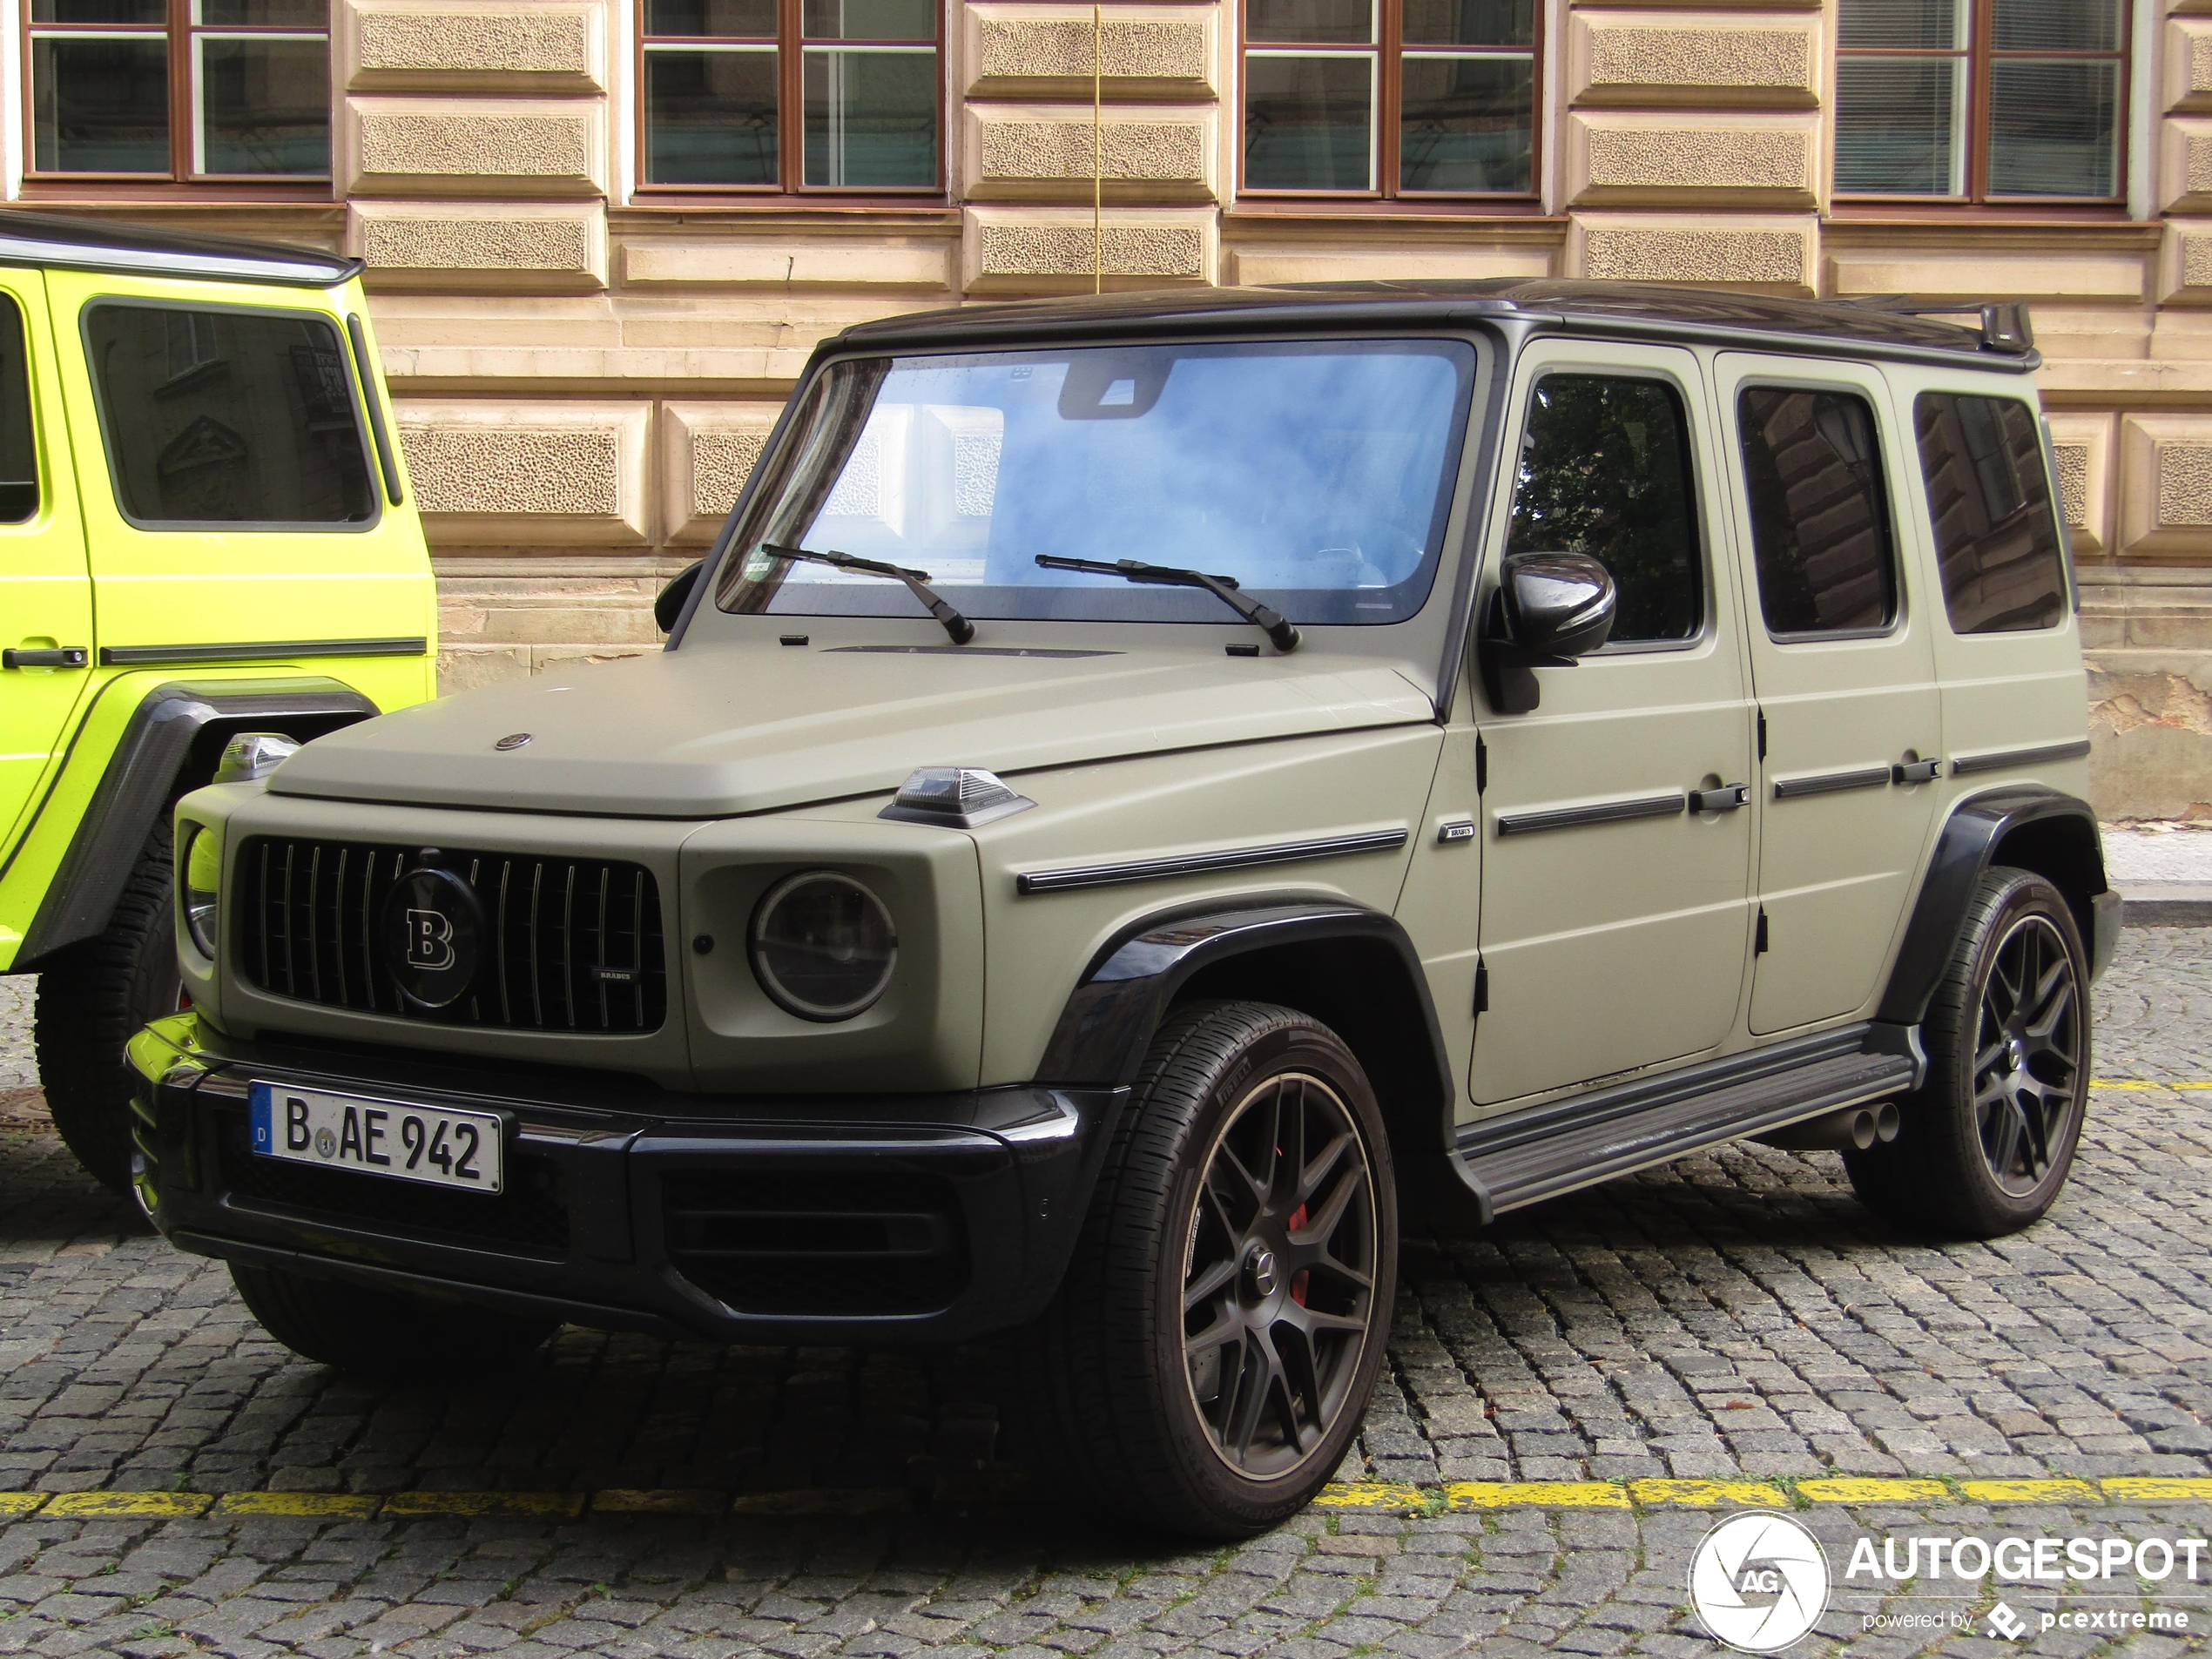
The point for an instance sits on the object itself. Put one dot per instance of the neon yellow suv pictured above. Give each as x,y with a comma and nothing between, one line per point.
205,527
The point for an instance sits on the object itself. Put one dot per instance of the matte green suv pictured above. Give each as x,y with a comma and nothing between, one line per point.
1142,789
204,528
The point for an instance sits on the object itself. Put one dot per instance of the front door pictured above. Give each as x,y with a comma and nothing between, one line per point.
1843,663
1616,914
45,595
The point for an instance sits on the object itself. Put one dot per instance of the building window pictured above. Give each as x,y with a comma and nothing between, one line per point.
791,95
180,89
1981,100
1390,98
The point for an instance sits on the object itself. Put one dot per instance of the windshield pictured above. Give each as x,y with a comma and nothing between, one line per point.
1317,474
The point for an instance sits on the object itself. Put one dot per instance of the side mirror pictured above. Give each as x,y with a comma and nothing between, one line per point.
673,597
1549,609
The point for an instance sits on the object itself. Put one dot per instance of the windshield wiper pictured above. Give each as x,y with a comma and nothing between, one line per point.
917,583
1278,628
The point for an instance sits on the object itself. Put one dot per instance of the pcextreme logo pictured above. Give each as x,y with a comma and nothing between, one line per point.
1759,1580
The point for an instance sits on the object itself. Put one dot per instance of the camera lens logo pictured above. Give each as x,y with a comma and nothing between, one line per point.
1759,1581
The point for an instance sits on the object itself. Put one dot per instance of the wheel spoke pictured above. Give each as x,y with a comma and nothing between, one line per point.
1264,1373
1301,1379
1209,1284
2009,1124
1312,1177
1321,1224
1989,1055
1227,1327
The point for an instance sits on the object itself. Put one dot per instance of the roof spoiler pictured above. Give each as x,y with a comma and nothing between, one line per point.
2004,322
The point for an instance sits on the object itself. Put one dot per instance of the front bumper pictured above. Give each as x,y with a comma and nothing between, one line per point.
797,1219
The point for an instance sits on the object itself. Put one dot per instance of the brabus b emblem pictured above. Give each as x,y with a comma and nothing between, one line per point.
429,940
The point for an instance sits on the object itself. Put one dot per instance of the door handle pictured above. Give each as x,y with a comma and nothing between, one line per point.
58,656
1726,798
1916,772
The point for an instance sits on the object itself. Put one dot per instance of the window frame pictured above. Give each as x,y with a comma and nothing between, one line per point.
1702,510
791,188
1389,52
182,36
1900,589
1980,55
371,464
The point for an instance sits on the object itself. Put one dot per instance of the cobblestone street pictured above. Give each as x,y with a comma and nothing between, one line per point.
1737,1318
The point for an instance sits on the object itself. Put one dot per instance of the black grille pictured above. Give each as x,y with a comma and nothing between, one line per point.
574,944
812,1242
531,1217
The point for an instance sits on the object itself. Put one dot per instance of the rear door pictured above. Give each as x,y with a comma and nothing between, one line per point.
232,500
1843,663
1616,919
45,595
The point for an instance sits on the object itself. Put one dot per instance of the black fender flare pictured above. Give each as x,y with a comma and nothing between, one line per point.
1129,984
1964,850
179,729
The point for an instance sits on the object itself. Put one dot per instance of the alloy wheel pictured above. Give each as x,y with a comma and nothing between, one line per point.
2027,1055
1279,1275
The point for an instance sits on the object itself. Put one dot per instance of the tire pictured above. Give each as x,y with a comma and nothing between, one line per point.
93,1001
1985,1145
384,1333
1227,1437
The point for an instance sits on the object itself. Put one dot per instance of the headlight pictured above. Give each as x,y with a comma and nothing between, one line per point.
200,873
823,946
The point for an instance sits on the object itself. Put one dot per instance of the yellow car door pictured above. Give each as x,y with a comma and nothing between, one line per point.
45,595
233,503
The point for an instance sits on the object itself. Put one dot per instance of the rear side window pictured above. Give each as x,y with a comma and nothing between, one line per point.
1605,470
1997,534
228,417
1820,522
19,449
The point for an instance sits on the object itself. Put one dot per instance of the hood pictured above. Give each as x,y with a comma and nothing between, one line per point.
714,732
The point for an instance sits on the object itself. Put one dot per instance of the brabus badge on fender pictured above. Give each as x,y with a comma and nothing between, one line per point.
433,936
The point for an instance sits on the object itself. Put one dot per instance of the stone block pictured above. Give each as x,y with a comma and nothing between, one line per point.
2189,66
1976,273
1774,254
774,259
2185,263
417,146
2082,447
1264,261
1700,60
1160,152
2165,486
510,473
537,247
2185,163
1728,160
480,45
707,453
1029,51
1051,250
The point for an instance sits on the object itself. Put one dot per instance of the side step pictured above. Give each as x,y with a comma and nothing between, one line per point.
1526,1156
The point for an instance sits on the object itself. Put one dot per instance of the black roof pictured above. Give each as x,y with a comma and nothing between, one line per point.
1874,327
98,245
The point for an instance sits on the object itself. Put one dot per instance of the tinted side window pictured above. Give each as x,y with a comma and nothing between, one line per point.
1997,535
1820,522
228,417
1605,469
18,449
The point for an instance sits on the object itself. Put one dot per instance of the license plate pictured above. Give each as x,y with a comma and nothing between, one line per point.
424,1143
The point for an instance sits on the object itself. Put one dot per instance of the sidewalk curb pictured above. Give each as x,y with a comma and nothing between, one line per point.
2165,904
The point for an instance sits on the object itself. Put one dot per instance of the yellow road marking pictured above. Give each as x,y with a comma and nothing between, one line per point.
2141,1486
2026,1491
404,1504
351,1506
100,1506
1369,1495
13,1504
1845,1489
1549,1495
1703,1495
2144,1083
622,1502
868,1501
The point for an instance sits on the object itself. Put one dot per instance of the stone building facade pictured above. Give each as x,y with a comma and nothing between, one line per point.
585,360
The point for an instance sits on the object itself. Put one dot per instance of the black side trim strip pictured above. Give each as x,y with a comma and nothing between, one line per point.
1828,783
2004,757
1605,812
386,461
256,652
1234,857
